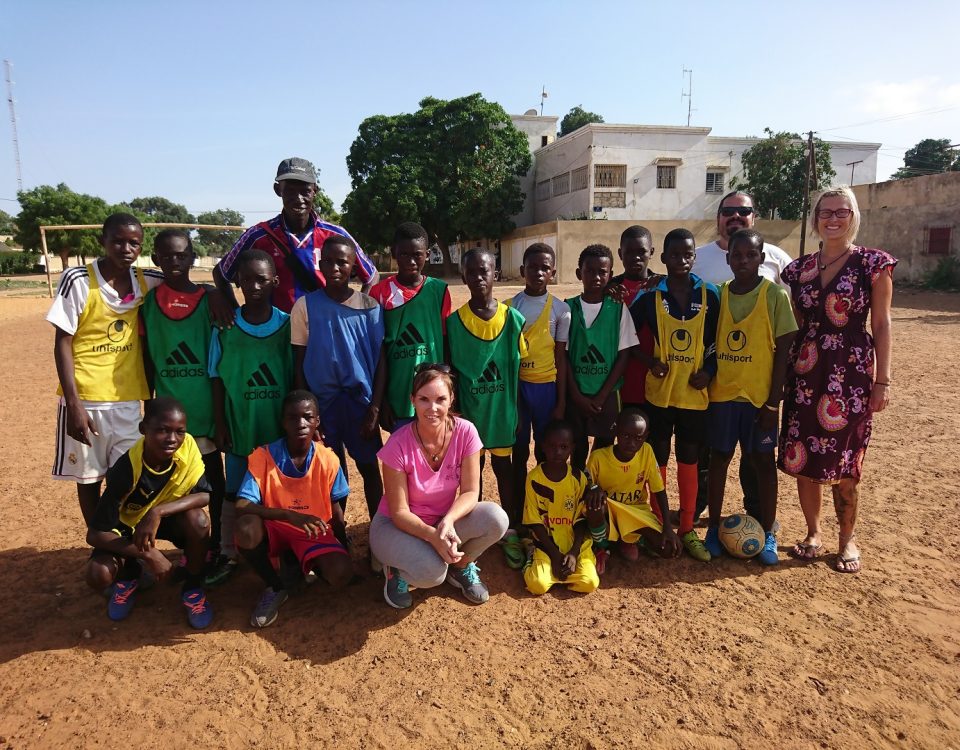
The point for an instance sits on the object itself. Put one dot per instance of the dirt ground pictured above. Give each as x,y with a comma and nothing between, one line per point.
664,655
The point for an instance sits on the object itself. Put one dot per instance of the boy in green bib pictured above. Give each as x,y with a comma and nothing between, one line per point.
486,343
251,364
175,326
415,310
601,336
681,313
754,334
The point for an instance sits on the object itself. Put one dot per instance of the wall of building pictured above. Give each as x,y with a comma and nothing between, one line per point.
641,149
536,128
568,238
896,215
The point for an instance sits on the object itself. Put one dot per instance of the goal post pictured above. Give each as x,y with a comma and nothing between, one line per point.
161,224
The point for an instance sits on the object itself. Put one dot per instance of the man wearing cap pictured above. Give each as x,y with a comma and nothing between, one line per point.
293,238
735,212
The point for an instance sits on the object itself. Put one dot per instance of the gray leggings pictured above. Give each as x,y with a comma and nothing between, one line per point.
417,560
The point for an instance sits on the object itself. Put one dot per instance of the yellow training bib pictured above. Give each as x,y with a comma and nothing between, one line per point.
539,366
680,345
107,355
744,352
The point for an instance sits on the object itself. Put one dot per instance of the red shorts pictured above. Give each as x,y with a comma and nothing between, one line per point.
285,537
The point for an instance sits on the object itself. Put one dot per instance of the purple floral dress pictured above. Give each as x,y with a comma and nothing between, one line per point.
826,415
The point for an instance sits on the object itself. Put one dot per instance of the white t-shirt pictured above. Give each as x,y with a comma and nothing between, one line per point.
711,264
74,287
628,332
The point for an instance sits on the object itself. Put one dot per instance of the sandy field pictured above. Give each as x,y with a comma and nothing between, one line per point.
665,655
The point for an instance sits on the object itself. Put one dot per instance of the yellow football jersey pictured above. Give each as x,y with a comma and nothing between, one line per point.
630,483
555,505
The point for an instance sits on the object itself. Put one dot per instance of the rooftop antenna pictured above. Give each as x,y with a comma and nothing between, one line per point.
689,93
543,95
13,124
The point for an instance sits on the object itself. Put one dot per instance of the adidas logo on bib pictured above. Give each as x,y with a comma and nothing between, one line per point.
263,384
183,363
490,380
592,363
410,344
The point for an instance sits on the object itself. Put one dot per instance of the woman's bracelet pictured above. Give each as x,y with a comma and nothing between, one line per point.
771,408
877,382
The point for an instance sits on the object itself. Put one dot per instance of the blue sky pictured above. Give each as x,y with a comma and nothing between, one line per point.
199,101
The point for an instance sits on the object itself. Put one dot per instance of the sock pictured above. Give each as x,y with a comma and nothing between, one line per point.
599,536
687,479
192,581
130,570
259,560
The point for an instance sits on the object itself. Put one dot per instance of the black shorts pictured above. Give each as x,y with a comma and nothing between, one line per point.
169,530
688,425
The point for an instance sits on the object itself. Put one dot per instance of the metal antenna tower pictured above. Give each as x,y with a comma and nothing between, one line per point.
689,93
13,124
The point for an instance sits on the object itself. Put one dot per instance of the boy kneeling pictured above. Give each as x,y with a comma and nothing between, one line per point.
290,499
156,490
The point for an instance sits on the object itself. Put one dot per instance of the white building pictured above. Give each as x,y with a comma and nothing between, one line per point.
646,172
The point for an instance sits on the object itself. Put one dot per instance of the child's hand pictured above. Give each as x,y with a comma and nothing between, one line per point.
157,563
558,566
387,418
766,420
145,535
617,292
221,438
659,369
700,380
222,312
369,426
595,498
313,526
568,565
80,424
583,404
596,404
670,544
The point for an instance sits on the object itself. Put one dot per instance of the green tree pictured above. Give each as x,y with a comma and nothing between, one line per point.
215,242
577,118
774,172
48,205
323,205
160,209
453,166
8,224
929,156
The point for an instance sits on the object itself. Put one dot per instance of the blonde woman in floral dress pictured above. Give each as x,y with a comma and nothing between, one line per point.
840,372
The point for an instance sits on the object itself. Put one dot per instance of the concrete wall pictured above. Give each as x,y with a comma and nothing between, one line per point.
896,214
536,128
568,238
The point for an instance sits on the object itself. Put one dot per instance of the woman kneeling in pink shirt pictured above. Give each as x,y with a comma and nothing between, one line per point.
430,525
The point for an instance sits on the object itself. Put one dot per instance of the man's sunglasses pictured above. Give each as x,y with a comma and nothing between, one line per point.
739,210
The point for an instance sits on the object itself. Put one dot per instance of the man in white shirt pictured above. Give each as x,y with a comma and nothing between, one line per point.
735,212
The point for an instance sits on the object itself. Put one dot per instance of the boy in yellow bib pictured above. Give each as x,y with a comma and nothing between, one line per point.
628,475
542,393
754,334
681,312
99,360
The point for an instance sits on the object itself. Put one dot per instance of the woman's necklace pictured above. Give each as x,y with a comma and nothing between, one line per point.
433,457
823,266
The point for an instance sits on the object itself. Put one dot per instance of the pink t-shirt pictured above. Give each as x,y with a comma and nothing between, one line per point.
430,493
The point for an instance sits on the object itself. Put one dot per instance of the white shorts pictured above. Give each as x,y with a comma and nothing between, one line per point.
118,426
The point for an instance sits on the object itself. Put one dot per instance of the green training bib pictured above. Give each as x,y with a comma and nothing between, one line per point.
592,351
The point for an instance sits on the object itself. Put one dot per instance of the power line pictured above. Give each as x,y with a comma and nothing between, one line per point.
891,118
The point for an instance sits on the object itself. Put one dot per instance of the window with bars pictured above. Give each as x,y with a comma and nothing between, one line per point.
936,240
561,184
610,175
578,179
543,190
715,182
666,177
612,199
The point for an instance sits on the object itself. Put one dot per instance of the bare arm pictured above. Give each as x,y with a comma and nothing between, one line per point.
79,424
560,361
223,304
369,426
299,355
880,300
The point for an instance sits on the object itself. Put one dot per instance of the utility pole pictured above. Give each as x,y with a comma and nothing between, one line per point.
811,171
543,95
689,93
13,124
853,166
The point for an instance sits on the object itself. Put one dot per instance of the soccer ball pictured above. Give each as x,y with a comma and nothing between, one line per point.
742,535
